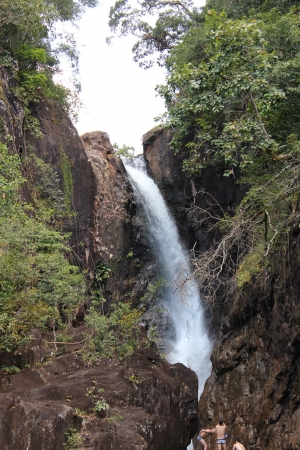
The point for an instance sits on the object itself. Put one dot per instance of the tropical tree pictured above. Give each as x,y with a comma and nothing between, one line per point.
218,106
30,45
242,8
172,20
124,150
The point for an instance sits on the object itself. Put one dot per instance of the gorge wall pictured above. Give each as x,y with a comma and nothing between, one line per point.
152,405
254,384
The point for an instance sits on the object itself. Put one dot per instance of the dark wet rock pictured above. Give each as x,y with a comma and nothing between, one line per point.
256,373
61,147
11,114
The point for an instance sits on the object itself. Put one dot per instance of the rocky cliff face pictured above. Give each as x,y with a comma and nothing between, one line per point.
254,383
99,198
11,114
103,223
256,372
152,405
61,147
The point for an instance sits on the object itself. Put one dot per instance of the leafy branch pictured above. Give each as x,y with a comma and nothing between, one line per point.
173,19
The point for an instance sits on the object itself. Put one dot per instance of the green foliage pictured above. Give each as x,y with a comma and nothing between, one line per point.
251,265
79,413
258,231
31,21
191,49
94,391
30,48
233,100
6,60
37,283
102,272
34,287
10,182
49,202
241,8
100,406
31,58
62,339
125,150
116,335
220,103
129,254
281,32
73,439
284,120
267,214
115,416
133,379
153,289
153,335
173,19
9,370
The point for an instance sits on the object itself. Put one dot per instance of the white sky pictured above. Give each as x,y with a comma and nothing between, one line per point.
118,96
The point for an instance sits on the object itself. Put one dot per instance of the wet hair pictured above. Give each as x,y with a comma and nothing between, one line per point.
221,421
238,440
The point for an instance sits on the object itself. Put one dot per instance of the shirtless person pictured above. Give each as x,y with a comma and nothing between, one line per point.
221,438
238,445
203,434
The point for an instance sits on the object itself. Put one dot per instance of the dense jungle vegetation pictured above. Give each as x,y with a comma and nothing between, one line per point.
232,98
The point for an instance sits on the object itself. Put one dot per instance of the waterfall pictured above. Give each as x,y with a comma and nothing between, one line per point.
190,345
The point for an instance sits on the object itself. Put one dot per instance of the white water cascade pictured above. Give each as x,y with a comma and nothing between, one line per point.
191,345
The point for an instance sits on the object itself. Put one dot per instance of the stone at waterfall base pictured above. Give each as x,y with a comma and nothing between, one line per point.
38,406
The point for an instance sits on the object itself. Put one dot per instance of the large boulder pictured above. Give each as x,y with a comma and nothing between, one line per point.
151,405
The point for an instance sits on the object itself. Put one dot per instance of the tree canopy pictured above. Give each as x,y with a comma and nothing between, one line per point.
220,102
30,45
172,20
242,8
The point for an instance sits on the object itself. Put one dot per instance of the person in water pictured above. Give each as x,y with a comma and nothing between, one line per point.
238,445
221,437
203,434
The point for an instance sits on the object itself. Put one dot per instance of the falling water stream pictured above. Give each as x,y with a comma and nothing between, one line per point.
191,344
